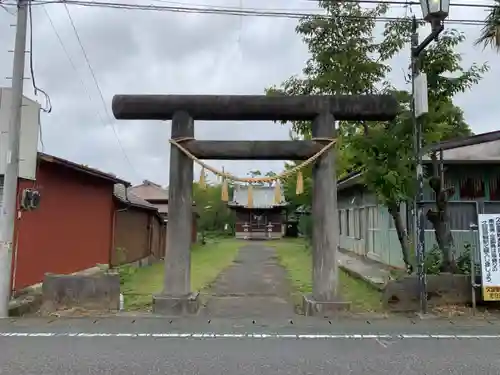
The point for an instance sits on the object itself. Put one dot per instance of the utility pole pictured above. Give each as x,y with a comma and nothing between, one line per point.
419,220
9,211
418,202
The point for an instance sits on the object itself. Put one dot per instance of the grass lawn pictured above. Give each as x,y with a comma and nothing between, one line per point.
296,258
207,261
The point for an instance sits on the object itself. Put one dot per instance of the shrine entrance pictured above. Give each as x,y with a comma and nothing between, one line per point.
177,297
258,222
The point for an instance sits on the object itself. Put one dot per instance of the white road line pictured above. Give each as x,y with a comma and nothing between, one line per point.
382,343
253,335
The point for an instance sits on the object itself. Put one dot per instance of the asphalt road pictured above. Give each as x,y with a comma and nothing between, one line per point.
156,346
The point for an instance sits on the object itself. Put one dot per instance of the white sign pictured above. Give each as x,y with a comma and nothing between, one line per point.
30,128
421,95
489,245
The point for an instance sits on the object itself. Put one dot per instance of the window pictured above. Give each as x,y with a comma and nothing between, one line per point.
340,221
355,224
348,223
495,188
361,218
472,188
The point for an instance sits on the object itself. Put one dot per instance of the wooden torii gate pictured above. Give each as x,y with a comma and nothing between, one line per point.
177,297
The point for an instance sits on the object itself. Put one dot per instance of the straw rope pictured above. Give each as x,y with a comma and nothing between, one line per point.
282,176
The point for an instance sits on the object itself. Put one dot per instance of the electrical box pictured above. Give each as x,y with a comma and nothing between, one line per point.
30,199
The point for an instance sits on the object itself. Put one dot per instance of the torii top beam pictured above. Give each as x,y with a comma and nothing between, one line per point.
255,107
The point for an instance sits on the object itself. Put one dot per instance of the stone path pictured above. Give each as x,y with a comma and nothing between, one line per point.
255,285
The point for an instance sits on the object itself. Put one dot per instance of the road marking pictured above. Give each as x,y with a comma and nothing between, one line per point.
253,335
382,343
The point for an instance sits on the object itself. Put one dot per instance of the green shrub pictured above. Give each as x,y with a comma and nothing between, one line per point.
433,260
126,272
306,227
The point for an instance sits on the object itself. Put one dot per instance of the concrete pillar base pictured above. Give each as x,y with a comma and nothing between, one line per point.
312,307
176,305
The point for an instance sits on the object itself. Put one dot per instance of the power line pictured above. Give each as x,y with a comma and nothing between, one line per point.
237,12
36,89
98,88
248,12
401,2
72,63
6,9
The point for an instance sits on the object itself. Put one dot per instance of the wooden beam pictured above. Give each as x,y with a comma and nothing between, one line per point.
252,150
255,107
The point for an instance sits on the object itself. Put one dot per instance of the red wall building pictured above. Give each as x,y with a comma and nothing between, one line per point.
72,229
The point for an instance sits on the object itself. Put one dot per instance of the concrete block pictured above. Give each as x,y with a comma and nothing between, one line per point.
443,289
311,307
176,305
91,292
26,304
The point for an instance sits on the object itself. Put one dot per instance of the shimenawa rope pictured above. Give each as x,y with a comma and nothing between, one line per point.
249,180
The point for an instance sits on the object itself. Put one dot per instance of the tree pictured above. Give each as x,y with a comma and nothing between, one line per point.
490,33
439,216
214,213
387,153
346,59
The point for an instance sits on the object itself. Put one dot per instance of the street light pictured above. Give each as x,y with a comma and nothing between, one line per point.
434,12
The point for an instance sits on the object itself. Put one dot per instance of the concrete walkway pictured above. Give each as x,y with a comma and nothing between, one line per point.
370,271
254,286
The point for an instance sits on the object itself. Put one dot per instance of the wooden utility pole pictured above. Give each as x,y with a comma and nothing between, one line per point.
9,206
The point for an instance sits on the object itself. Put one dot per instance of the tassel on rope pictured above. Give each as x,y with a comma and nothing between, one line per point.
299,189
225,191
250,196
202,183
277,192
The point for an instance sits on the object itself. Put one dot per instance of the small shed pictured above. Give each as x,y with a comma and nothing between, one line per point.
157,196
72,229
139,229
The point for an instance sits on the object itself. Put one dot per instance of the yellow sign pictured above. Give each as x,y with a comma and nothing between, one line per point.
491,293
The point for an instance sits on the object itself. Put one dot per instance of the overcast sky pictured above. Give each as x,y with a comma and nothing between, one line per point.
145,52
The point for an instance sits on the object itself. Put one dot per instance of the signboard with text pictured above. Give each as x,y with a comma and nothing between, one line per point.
489,245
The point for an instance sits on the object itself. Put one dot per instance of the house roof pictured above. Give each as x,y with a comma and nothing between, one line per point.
123,194
150,191
81,168
154,194
477,148
263,197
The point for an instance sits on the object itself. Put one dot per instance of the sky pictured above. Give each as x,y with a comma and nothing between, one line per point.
147,52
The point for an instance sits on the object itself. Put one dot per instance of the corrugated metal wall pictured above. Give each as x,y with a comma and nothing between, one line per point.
379,240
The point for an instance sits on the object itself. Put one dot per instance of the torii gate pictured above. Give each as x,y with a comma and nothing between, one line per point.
177,298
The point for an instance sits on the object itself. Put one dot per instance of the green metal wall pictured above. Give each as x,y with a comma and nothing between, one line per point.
377,239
